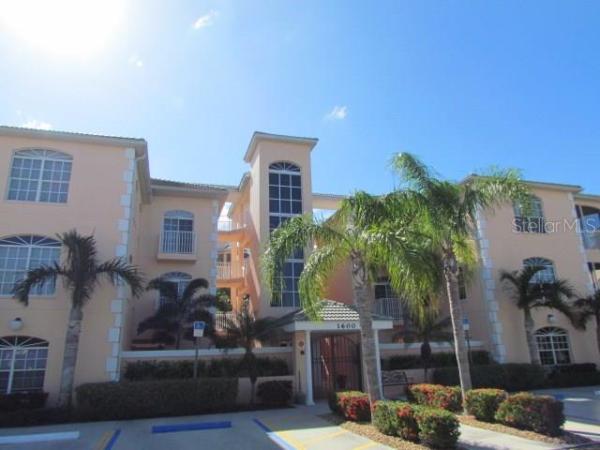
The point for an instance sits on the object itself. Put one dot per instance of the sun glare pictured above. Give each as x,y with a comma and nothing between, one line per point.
71,27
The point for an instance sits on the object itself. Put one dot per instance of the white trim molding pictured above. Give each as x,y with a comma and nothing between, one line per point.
417,345
582,252
157,354
331,325
214,247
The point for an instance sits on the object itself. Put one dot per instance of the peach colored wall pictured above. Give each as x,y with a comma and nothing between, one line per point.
508,249
93,206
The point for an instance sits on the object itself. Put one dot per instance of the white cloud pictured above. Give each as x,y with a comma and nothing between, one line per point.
337,113
206,20
136,61
39,124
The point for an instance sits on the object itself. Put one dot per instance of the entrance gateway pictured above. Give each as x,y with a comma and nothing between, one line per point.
327,353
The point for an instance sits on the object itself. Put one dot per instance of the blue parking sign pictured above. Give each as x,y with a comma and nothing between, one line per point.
199,326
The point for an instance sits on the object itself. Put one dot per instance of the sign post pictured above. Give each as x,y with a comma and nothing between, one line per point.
199,326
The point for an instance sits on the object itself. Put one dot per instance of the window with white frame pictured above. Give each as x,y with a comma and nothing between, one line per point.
546,274
40,176
180,279
177,235
18,254
530,220
553,346
22,364
387,303
285,201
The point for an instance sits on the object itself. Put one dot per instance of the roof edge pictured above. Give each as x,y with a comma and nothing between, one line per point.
258,136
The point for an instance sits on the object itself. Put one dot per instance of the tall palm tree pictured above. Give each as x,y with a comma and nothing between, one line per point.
245,330
373,233
178,310
451,209
81,272
427,327
528,294
590,307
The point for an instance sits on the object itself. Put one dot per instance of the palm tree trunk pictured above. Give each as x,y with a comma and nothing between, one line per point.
598,329
529,326
72,336
364,306
456,314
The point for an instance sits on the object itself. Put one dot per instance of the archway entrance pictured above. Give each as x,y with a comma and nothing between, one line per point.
336,364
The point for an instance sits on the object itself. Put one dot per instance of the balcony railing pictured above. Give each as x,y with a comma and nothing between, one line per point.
229,225
590,231
177,242
229,271
389,307
221,319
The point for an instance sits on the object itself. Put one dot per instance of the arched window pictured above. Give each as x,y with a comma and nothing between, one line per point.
285,201
40,176
546,275
532,220
553,346
180,279
22,363
18,254
177,235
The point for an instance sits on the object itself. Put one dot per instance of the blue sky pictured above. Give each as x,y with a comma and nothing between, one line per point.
464,85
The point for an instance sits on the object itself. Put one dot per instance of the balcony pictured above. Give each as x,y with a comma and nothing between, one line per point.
590,231
229,225
390,307
177,245
229,271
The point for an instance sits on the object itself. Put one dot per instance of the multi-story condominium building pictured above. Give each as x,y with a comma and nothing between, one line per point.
52,182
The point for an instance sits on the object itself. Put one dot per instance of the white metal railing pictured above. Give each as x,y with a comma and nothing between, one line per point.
221,319
389,307
177,242
228,271
229,225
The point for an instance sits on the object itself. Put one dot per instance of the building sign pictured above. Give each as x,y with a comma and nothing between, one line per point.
347,326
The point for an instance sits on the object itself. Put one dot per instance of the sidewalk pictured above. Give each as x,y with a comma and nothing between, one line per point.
475,438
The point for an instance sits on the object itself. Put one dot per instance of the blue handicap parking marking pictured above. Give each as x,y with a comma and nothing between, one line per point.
194,426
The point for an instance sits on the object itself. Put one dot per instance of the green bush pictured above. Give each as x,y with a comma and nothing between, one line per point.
275,392
539,413
573,375
215,368
129,400
437,396
35,417
511,377
396,419
445,359
22,400
437,428
483,403
353,405
334,403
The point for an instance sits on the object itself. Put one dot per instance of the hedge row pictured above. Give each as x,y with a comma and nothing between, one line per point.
216,368
522,377
275,392
540,413
127,400
353,405
436,396
434,427
483,403
22,400
445,359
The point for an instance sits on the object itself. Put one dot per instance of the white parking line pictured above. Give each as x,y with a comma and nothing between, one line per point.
39,437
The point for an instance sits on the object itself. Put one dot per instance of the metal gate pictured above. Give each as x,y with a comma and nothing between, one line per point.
336,365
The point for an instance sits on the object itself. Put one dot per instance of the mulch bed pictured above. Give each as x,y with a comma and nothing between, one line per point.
565,438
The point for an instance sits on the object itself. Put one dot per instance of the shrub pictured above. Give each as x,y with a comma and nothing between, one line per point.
444,359
511,377
573,375
540,413
396,419
437,428
483,403
128,400
35,417
215,368
334,403
275,393
22,400
354,405
435,395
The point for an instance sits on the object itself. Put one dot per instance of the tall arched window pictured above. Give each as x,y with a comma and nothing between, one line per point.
18,254
546,275
532,220
22,363
553,346
40,176
285,201
177,235
180,279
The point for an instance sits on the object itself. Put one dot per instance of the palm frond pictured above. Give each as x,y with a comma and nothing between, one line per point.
413,171
117,270
37,277
193,287
166,288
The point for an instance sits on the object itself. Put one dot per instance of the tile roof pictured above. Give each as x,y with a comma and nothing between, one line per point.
158,182
332,311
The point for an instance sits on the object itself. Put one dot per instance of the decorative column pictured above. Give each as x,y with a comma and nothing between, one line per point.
308,368
378,356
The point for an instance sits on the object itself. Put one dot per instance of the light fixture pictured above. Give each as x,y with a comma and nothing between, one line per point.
16,324
551,318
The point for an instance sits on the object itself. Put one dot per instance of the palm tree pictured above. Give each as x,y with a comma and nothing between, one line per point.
178,310
245,330
451,210
427,327
590,307
528,294
81,272
374,233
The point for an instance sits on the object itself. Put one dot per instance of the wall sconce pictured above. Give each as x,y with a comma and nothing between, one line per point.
551,318
16,324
